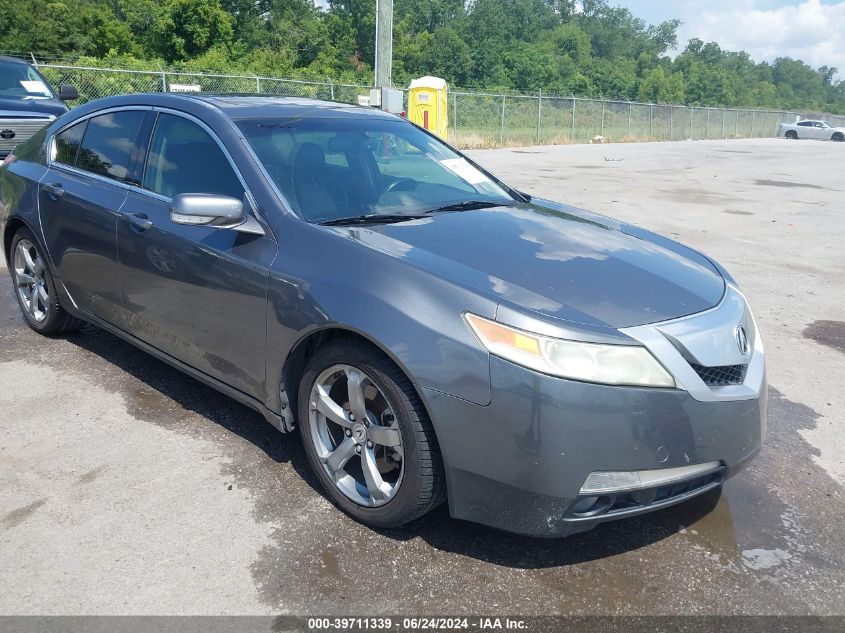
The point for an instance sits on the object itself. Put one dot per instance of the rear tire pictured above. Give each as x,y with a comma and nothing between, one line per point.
791,135
383,473
35,289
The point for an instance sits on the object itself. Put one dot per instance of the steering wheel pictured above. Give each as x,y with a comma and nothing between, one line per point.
399,185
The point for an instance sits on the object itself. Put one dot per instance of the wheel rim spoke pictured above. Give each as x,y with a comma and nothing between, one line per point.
384,435
33,300
336,460
329,408
355,387
42,293
378,488
24,279
27,258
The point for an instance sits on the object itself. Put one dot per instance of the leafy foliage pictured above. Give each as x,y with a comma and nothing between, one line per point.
589,48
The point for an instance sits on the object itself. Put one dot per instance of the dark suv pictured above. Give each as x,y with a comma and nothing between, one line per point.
27,102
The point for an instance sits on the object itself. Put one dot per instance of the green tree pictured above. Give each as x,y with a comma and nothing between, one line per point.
189,28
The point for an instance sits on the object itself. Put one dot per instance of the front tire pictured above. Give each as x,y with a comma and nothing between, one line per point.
35,289
839,137
368,437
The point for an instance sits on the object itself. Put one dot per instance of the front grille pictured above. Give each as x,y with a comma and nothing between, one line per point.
721,376
24,130
636,501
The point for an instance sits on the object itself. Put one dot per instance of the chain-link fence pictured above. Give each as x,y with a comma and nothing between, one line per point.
476,119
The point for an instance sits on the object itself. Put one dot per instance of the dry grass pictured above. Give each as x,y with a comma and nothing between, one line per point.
490,140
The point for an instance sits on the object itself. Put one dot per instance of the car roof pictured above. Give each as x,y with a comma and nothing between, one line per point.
246,106
15,60
237,106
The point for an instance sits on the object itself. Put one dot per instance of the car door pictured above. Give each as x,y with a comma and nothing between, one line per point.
79,199
198,293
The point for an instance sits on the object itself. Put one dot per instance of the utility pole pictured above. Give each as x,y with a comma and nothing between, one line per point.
384,44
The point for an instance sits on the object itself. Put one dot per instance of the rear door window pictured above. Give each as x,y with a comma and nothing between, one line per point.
67,144
183,158
109,142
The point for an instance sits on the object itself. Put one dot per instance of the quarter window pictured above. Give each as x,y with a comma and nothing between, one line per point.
183,158
67,144
109,142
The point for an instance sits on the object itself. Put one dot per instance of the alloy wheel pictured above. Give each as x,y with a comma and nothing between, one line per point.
30,281
356,435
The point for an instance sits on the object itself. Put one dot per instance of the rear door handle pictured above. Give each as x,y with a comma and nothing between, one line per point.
54,191
138,220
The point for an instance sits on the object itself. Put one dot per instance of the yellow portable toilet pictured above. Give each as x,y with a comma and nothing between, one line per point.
428,104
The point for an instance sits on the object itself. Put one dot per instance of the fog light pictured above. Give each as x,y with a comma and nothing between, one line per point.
589,506
603,482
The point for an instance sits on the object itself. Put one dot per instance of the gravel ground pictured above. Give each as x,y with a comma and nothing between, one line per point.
129,488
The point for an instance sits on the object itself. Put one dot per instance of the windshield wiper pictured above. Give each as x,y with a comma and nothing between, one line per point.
371,218
466,205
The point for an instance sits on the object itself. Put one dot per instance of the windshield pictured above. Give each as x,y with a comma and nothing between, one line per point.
22,80
333,168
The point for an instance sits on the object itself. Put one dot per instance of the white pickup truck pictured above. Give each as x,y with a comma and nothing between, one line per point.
811,129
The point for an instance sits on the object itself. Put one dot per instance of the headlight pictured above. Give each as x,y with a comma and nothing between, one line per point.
588,362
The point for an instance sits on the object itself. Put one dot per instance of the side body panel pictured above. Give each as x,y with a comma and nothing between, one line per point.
197,293
79,232
19,197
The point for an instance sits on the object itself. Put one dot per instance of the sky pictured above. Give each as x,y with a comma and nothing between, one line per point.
810,30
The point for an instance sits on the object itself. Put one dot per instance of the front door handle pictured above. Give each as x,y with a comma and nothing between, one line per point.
54,191
138,220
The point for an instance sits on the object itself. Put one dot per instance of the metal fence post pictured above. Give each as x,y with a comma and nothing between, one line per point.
455,112
163,79
723,123
629,118
572,134
502,123
736,125
671,123
603,104
257,85
651,121
753,113
691,115
331,90
539,114
707,125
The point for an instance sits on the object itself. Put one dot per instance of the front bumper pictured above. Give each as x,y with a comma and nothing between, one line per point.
519,463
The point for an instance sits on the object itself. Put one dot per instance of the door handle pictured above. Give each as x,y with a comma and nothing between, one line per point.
138,220
54,191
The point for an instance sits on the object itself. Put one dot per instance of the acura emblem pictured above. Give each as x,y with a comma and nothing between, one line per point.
742,340
7,134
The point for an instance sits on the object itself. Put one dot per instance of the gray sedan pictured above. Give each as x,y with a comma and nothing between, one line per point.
432,333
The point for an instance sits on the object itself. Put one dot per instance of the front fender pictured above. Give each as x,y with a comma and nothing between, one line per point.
321,281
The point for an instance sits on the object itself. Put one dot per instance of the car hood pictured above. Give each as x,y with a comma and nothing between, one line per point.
559,261
26,105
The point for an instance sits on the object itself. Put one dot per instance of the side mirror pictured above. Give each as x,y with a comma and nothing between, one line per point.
206,209
68,92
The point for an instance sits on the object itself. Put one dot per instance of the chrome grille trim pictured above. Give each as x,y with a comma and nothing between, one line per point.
670,343
25,127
